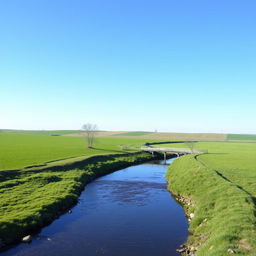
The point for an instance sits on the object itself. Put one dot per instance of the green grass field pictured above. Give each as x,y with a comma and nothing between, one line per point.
241,137
20,150
222,186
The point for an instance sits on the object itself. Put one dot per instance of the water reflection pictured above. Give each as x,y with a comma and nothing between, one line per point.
128,192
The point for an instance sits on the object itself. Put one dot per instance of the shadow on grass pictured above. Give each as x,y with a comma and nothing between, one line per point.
227,179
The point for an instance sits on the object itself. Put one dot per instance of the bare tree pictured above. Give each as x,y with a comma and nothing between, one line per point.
191,145
89,133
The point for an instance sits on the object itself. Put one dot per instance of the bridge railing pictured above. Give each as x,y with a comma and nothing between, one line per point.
173,150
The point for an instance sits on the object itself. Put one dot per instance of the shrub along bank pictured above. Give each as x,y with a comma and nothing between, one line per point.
221,213
32,199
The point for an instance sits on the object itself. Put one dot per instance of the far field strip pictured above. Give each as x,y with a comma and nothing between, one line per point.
169,136
143,134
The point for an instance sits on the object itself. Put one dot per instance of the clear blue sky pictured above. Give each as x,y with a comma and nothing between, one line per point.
181,66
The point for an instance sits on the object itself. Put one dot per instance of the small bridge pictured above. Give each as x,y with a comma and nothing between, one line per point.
173,151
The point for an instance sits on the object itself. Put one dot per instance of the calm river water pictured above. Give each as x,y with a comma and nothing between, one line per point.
126,213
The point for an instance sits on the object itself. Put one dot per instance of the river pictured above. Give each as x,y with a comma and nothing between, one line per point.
126,213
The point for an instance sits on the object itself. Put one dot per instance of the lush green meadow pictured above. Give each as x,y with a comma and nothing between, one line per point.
221,185
241,137
20,150
238,157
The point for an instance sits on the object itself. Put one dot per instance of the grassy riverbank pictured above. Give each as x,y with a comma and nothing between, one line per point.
32,199
219,196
